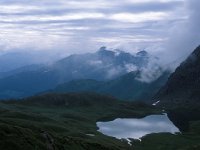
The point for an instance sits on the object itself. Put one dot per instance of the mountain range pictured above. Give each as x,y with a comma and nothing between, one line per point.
68,121
102,65
126,87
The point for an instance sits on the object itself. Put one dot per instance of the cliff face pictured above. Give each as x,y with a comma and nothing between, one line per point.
183,86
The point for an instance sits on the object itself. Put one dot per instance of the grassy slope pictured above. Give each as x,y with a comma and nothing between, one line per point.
62,122
126,87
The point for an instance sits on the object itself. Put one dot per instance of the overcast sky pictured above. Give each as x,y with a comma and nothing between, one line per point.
77,26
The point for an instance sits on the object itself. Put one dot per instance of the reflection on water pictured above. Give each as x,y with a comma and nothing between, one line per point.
137,128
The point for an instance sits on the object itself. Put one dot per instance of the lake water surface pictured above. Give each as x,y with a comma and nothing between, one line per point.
137,128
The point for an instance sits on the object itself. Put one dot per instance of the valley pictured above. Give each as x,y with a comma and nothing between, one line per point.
99,75
67,117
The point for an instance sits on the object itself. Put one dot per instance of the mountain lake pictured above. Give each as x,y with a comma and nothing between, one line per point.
137,128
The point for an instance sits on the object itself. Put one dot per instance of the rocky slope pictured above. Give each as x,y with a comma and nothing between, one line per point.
183,86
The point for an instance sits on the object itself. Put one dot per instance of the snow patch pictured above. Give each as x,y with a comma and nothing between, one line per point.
129,142
154,104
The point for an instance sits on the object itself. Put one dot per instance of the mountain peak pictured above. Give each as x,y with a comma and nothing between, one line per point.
103,48
142,53
103,51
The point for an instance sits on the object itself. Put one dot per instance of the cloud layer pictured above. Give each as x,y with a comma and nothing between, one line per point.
183,36
76,26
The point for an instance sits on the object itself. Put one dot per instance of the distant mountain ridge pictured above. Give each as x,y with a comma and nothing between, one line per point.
126,87
102,65
33,67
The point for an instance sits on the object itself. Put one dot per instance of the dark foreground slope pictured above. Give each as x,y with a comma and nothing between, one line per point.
181,94
183,86
54,121
65,122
